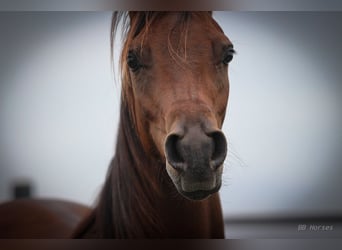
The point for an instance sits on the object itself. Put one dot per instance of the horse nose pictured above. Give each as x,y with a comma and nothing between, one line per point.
196,150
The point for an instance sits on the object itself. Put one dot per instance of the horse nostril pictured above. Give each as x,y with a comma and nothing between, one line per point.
220,149
195,150
172,151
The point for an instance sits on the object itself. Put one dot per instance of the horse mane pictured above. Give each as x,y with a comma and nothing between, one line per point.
133,179
130,188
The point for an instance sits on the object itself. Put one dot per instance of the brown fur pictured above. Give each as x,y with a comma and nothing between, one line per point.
138,199
40,218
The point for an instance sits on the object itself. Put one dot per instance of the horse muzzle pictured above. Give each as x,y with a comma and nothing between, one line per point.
194,160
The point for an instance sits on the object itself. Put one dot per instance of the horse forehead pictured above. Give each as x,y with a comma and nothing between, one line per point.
195,31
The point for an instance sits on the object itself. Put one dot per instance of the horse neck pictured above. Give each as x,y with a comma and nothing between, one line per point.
140,200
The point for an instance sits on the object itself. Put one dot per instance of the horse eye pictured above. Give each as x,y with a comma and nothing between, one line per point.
133,62
228,56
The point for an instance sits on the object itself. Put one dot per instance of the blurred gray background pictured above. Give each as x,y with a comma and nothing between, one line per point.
59,109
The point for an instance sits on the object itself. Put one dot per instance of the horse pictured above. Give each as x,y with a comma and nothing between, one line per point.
164,178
